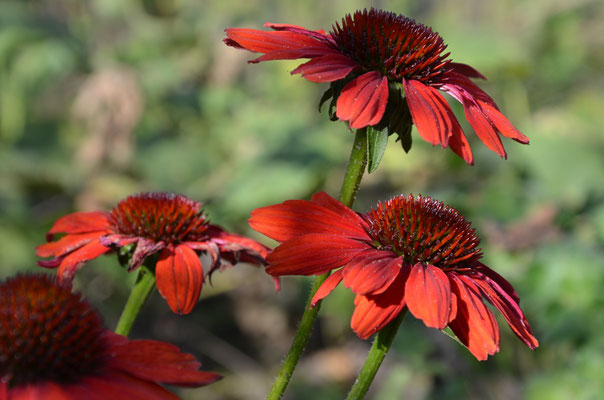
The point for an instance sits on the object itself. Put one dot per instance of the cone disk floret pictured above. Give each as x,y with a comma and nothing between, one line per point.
422,230
392,44
47,333
170,218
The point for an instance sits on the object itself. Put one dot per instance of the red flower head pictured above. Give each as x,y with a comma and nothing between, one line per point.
172,225
374,61
408,252
53,346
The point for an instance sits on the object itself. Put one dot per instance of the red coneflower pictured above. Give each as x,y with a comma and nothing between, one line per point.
408,252
53,346
172,225
374,60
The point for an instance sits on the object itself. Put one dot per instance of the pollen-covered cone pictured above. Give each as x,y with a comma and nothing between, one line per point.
173,226
53,346
383,67
409,252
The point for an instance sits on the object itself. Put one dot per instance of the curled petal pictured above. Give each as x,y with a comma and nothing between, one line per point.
428,295
80,222
363,100
66,244
326,287
312,254
144,248
475,324
74,261
179,278
372,271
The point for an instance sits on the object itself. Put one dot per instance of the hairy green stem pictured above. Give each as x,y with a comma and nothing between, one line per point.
145,282
379,348
350,187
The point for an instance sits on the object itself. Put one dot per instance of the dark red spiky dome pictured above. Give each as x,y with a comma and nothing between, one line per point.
392,44
423,230
166,217
47,333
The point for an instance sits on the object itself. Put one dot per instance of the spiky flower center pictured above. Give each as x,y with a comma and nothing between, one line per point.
423,230
163,217
392,44
47,333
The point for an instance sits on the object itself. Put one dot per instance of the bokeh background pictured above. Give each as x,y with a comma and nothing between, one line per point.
100,99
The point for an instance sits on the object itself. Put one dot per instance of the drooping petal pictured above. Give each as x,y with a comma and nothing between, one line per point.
475,324
179,277
459,144
75,260
501,123
159,362
80,222
372,271
328,68
293,218
118,385
509,308
241,245
466,70
431,113
326,287
66,244
428,295
312,254
144,248
363,100
500,280
373,312
483,128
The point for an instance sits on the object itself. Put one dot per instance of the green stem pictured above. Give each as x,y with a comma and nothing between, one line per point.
379,348
145,282
350,187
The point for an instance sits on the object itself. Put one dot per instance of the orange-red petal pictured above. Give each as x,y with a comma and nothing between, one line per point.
80,222
75,260
67,244
179,278
327,68
475,324
428,295
363,100
326,287
372,271
312,254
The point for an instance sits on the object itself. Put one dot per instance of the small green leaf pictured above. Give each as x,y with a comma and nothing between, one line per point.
376,146
406,139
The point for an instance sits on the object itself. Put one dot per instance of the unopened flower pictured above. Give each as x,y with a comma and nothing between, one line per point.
173,226
383,66
409,252
53,346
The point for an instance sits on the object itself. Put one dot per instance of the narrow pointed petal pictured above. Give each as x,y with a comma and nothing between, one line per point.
466,70
372,272
80,222
328,68
319,34
326,287
509,308
160,362
502,124
475,324
459,144
312,254
431,113
240,244
66,244
428,295
483,128
293,218
363,100
179,278
74,261
373,312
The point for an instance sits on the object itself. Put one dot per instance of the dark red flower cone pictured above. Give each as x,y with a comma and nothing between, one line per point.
385,70
53,346
171,226
411,252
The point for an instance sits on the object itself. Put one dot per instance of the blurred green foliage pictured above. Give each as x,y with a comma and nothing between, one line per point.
103,98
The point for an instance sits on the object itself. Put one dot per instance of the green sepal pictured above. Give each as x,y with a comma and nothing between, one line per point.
124,254
377,140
